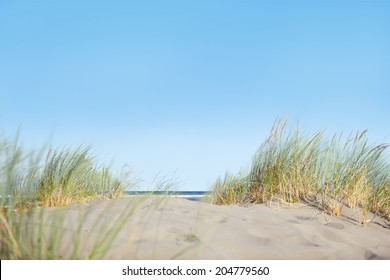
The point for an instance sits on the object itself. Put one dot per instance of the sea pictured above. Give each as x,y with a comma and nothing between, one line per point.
190,195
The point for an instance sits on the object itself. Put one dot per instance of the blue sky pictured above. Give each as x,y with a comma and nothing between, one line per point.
190,89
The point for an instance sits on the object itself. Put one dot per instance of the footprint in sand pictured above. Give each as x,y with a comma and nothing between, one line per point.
292,221
303,218
215,219
335,225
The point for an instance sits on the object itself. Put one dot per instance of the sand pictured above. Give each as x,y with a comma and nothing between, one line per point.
177,228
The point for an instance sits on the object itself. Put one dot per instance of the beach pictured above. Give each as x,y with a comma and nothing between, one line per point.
177,228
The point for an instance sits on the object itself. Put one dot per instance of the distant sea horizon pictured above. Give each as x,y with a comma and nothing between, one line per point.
190,195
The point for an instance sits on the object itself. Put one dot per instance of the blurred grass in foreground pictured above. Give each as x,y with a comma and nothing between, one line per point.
29,183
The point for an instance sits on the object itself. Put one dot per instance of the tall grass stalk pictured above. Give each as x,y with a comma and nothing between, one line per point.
328,173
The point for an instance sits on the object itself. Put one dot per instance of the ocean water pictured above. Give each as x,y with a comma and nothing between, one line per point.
190,195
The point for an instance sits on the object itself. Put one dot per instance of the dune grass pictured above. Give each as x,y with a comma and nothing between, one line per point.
29,185
67,176
327,173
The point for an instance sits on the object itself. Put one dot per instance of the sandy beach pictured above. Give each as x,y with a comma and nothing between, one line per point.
177,228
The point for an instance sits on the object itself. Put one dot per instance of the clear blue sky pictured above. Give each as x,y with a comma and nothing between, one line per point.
190,88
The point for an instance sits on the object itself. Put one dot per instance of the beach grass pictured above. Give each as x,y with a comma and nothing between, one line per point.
327,173
34,192
40,188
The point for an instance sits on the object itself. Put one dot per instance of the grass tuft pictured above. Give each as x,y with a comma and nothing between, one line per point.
29,184
328,173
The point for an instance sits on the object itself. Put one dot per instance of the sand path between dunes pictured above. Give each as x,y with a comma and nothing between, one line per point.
177,228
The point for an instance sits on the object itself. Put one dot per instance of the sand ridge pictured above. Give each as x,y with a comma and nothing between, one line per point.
176,228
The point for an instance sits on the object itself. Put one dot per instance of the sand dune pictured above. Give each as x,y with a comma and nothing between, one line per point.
181,229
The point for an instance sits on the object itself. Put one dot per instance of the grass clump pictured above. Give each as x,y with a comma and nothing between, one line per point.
327,173
70,176
67,176
29,184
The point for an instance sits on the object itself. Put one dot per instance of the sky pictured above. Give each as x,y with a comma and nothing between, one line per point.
187,90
